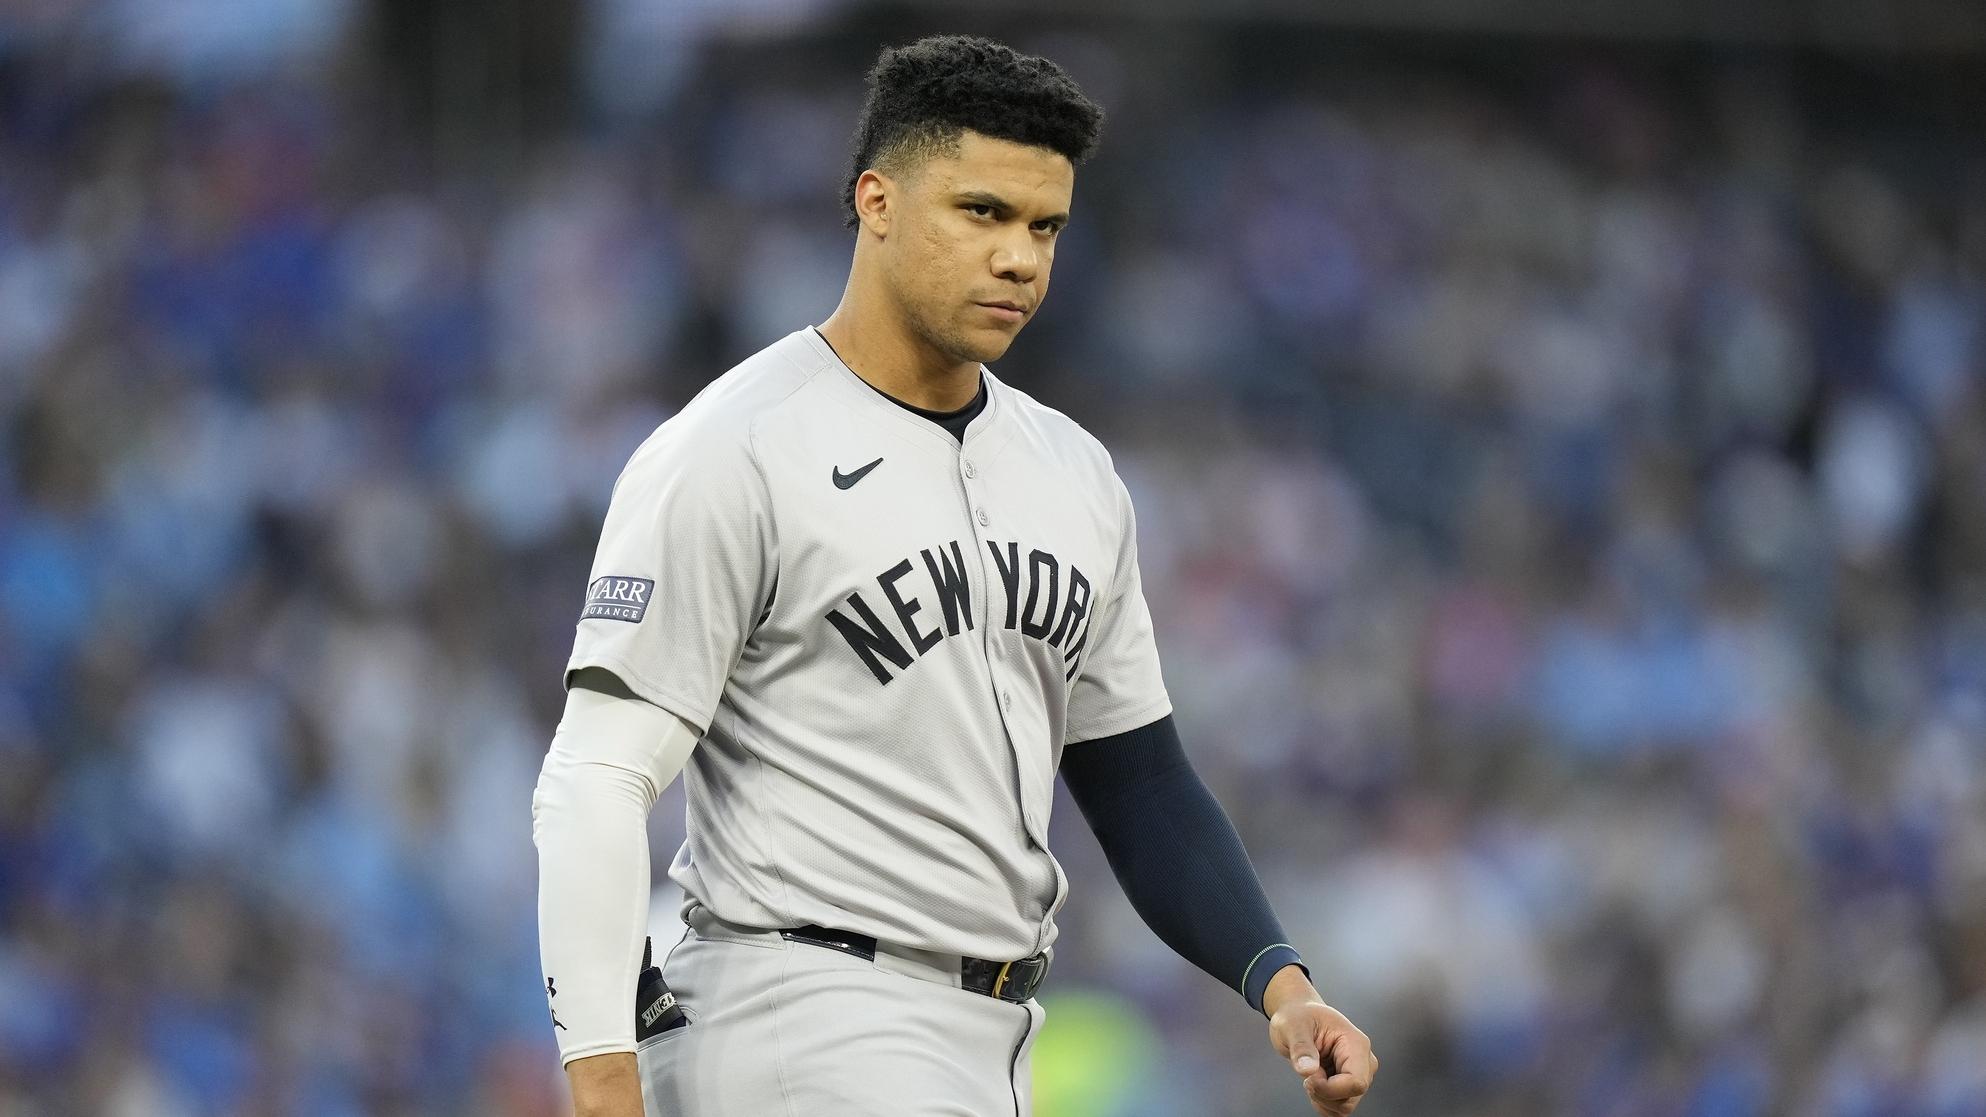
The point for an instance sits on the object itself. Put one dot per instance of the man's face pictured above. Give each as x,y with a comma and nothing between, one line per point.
971,230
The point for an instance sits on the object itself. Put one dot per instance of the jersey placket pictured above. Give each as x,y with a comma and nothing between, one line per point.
973,454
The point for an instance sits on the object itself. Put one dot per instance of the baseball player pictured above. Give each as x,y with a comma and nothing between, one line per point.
870,600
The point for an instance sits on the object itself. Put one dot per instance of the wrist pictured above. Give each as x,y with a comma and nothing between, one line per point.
607,1085
1289,985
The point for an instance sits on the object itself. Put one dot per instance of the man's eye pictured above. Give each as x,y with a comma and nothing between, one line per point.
1049,227
981,210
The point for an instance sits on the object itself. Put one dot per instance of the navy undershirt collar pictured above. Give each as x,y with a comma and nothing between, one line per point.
953,421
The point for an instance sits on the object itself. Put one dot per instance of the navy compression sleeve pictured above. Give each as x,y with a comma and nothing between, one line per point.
1177,856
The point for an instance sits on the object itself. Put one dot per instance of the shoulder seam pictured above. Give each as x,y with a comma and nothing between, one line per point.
1056,414
758,467
752,425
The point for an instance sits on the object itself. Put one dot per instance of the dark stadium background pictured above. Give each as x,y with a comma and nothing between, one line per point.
1557,431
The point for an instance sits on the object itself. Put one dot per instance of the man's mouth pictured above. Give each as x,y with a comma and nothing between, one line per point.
1006,309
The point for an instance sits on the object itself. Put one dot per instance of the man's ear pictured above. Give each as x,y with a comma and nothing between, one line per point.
874,194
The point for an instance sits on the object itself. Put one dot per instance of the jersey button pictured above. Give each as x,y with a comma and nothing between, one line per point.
1007,699
984,519
970,472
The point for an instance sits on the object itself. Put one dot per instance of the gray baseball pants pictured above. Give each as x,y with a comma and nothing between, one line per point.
790,1029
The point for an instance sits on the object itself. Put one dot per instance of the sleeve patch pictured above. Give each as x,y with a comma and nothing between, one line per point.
614,598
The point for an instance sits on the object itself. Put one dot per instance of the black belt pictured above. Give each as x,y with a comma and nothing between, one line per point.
1008,981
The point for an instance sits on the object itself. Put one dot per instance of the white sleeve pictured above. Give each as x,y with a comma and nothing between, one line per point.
683,571
1119,687
610,758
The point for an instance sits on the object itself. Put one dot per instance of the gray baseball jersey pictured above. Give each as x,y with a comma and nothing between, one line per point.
886,637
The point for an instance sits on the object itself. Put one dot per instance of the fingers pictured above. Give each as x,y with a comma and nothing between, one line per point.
1339,1087
1325,1104
1335,1096
1337,1074
1303,1055
1339,1093
1351,1053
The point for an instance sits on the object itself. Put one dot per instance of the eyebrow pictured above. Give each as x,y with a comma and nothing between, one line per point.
981,197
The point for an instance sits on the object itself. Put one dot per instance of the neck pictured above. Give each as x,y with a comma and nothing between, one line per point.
878,346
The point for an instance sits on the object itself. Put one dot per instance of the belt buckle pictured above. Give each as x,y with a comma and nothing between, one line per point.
1033,967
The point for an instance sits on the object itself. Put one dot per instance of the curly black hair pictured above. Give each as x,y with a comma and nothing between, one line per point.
922,97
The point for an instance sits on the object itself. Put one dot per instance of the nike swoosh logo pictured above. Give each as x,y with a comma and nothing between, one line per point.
847,480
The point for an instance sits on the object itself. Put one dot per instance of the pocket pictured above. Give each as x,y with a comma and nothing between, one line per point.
659,1063
657,1009
690,1017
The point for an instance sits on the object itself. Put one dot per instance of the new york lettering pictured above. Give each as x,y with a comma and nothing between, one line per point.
1045,599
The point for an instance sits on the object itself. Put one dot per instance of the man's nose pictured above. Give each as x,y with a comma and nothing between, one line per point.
1017,261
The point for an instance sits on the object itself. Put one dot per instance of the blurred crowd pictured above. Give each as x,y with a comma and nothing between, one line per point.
1562,499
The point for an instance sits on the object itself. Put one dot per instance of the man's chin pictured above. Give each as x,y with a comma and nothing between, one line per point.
972,343
986,346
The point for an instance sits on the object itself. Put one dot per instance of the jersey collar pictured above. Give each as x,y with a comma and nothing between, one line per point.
866,396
